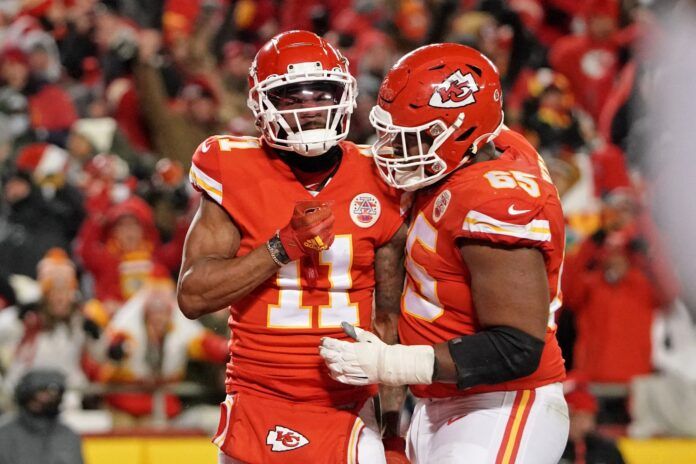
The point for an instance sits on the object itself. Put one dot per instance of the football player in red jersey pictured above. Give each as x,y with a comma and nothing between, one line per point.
295,233
483,260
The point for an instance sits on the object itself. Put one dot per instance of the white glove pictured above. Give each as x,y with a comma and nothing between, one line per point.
369,360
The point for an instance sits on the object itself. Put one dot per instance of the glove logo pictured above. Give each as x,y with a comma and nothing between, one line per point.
456,91
365,210
441,203
285,439
315,243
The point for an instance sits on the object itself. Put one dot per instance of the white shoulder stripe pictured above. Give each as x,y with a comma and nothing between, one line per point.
537,229
203,181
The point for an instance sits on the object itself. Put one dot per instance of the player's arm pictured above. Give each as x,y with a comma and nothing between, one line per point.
389,283
211,276
511,297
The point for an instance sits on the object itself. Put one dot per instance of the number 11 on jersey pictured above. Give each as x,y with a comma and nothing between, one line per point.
289,313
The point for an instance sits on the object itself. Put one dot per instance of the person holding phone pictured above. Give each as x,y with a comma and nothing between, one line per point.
295,233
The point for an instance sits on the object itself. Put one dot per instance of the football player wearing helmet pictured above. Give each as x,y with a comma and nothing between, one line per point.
295,233
483,260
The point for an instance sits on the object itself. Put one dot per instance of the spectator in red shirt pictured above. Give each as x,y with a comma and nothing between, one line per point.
590,60
614,284
120,249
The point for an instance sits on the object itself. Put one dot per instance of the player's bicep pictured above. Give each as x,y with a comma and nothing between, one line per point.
509,286
212,234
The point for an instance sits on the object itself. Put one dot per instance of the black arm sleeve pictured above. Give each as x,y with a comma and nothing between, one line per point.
495,355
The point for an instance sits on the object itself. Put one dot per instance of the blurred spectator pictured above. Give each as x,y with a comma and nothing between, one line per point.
609,169
48,333
590,60
548,116
15,120
92,136
35,434
48,165
585,444
168,193
236,61
51,111
614,284
30,225
175,133
120,249
149,344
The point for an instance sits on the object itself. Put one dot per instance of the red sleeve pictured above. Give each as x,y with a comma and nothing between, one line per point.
506,219
205,173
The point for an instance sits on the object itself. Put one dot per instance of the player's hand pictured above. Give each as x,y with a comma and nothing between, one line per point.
395,450
369,360
309,231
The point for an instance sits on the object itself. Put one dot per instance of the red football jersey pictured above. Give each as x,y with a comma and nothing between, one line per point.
276,329
510,201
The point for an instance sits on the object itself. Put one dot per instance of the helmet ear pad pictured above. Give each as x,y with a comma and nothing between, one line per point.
289,59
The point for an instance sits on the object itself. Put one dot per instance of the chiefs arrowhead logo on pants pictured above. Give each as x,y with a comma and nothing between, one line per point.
285,439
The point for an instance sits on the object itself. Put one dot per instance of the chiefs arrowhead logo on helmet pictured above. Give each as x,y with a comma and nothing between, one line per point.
457,90
285,439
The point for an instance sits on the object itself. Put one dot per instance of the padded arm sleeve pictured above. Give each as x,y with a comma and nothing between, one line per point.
495,355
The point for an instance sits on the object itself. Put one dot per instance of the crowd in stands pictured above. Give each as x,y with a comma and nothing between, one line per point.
102,104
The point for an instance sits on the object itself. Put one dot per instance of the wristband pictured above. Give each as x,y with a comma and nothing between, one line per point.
277,251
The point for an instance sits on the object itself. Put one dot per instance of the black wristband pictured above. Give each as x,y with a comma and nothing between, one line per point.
277,251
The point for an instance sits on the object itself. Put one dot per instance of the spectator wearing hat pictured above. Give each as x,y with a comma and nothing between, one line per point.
120,249
585,444
89,137
34,434
51,111
48,333
149,344
49,168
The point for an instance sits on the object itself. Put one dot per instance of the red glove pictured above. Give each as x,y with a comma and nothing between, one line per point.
310,230
395,450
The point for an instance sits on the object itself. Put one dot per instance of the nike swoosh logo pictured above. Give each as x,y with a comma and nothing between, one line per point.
205,147
514,212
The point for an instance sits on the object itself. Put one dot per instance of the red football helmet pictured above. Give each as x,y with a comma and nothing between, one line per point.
435,107
293,70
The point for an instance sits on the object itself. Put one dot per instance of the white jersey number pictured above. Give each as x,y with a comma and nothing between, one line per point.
420,295
289,313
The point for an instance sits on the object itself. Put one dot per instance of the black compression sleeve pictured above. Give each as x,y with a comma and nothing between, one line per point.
495,355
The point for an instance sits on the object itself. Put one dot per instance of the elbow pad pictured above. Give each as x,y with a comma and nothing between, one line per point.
495,355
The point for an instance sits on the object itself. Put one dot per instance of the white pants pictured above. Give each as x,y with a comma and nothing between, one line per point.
520,427
370,448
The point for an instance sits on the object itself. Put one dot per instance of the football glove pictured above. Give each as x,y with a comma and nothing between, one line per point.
369,360
309,231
